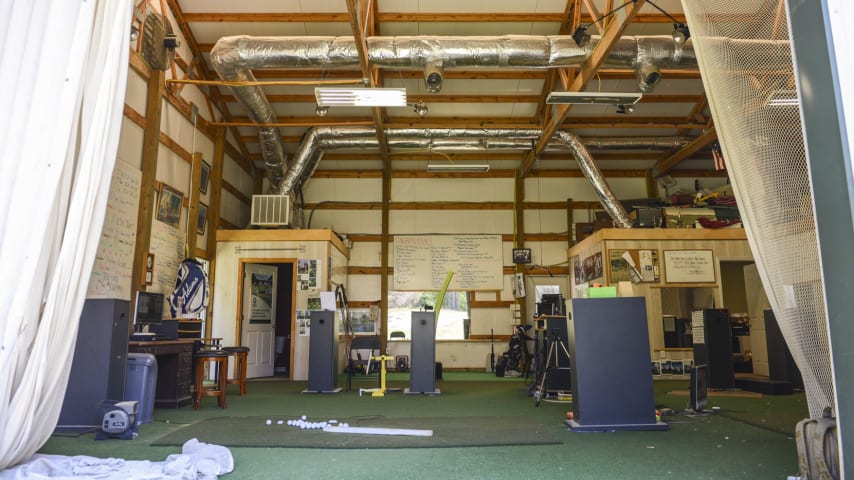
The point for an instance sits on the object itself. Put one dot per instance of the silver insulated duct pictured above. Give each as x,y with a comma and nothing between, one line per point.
594,175
234,58
320,139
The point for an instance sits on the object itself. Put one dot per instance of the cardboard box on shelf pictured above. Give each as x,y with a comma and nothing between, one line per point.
686,217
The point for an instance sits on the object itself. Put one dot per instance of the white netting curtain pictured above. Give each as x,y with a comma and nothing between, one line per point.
746,63
63,71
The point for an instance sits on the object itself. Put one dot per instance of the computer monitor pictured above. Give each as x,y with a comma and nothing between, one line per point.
551,304
149,309
699,387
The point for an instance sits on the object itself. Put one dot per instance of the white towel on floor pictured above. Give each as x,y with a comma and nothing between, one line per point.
197,461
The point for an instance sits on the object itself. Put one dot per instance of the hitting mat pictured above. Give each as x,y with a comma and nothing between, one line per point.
720,393
447,432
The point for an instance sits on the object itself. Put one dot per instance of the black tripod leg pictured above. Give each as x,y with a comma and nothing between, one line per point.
541,389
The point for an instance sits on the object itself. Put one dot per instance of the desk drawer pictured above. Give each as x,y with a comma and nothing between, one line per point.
186,361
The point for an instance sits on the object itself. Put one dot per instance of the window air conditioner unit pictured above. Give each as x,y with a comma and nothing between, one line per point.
271,210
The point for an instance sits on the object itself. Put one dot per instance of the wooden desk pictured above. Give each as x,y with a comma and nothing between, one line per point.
174,370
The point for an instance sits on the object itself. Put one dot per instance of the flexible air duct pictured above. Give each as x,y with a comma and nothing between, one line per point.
320,139
594,176
234,57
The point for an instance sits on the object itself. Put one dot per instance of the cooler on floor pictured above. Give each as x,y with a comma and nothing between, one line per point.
141,383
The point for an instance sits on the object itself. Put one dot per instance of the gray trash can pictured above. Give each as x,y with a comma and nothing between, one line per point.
141,384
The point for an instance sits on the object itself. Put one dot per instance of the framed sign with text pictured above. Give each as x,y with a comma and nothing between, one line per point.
689,266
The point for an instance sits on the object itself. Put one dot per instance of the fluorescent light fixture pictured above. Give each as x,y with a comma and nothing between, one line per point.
782,98
601,98
360,97
457,167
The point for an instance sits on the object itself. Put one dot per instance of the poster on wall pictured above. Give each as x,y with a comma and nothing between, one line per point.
307,274
591,268
578,269
303,323
633,265
261,310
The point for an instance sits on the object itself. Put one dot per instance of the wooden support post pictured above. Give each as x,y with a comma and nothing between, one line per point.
150,145
213,217
193,210
570,222
519,238
384,251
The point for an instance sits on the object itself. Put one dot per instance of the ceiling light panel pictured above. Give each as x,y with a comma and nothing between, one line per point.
360,97
457,167
598,98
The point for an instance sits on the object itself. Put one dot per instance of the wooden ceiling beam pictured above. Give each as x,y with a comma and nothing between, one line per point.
391,17
593,14
588,70
357,13
204,71
427,98
571,20
696,114
626,121
547,157
663,166
453,74
508,156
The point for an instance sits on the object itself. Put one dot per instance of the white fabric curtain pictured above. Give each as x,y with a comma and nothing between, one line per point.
63,72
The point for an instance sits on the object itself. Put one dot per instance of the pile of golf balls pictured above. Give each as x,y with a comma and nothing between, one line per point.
303,424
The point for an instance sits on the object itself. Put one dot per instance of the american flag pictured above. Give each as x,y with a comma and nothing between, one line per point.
719,157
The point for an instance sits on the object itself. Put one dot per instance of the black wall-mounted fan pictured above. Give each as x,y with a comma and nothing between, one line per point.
158,41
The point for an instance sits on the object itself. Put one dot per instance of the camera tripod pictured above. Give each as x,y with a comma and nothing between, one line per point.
550,362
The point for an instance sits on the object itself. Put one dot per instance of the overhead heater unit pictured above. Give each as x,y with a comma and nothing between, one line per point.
271,210
596,98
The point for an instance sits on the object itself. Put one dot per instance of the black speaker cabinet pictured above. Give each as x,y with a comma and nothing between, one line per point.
781,365
713,345
100,363
323,352
611,379
422,376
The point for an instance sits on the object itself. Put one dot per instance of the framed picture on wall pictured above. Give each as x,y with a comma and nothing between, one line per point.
169,205
203,218
521,255
206,175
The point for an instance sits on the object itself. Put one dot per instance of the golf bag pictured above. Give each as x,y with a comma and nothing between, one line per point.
818,451
511,362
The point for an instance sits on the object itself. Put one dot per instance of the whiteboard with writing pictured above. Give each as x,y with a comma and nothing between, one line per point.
114,260
689,266
421,262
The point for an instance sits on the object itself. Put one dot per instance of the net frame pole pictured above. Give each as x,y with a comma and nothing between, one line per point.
829,161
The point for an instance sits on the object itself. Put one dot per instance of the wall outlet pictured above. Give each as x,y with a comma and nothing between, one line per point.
662,354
